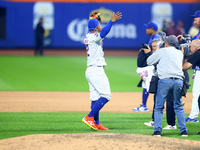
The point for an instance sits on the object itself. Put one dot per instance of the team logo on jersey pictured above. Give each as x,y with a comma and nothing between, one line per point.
105,14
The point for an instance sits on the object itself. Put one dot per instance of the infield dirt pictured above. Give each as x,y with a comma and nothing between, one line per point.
79,102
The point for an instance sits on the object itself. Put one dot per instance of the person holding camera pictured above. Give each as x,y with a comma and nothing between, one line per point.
170,114
143,70
169,69
194,60
193,117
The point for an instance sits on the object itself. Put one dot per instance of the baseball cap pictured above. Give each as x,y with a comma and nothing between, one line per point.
172,40
196,14
152,25
93,23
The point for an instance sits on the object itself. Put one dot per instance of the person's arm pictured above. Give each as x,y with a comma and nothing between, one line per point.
116,16
141,60
154,58
106,29
186,66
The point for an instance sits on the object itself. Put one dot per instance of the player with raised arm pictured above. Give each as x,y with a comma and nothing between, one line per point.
98,82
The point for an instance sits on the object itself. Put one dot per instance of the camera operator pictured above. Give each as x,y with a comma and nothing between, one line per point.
143,70
169,69
170,114
194,60
193,117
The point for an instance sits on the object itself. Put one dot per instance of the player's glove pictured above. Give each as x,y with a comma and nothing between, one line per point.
95,15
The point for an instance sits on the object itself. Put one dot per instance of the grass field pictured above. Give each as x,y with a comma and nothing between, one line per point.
53,73
20,124
28,73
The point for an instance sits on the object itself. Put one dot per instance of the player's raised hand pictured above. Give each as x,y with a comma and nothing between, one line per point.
116,16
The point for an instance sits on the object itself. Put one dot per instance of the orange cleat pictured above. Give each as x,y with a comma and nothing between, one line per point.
90,122
100,127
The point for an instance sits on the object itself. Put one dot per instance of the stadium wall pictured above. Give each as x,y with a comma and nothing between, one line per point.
66,21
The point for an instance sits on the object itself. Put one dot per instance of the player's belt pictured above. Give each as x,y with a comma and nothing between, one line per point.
94,66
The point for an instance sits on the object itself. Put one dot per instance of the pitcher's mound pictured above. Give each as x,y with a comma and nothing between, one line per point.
97,141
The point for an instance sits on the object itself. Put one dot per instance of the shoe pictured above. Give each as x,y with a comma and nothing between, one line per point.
157,133
198,133
183,103
149,124
90,122
142,108
188,119
170,127
100,127
184,134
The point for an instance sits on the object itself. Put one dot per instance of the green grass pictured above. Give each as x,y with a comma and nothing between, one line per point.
54,73
20,124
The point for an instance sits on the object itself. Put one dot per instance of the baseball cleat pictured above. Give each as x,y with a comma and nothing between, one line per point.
90,122
188,119
100,127
142,108
149,124
170,127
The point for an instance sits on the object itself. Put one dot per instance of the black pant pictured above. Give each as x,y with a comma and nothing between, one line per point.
39,46
170,113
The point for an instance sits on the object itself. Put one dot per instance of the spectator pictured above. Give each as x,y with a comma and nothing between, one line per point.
39,37
164,26
171,30
179,28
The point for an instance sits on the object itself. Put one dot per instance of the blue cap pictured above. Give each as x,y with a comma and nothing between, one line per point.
152,25
196,14
93,23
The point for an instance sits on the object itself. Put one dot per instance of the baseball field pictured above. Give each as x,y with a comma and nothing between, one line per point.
43,100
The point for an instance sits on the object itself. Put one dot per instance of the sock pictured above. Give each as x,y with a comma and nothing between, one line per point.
97,107
145,95
96,117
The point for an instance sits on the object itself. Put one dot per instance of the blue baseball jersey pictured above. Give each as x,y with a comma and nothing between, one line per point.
155,36
196,36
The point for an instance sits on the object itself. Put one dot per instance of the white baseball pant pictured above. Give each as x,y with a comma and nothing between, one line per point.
196,92
99,85
146,74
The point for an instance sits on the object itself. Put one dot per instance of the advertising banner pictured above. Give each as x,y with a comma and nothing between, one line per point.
66,23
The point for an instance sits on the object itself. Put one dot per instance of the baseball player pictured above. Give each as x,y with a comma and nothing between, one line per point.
98,82
193,117
143,70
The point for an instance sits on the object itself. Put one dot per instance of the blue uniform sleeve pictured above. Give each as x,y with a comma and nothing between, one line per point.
106,29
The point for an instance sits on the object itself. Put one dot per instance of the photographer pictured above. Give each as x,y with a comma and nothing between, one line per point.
194,60
193,117
143,70
170,114
169,68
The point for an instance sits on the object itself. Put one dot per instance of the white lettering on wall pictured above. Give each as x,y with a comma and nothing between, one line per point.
77,29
